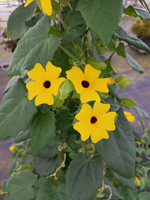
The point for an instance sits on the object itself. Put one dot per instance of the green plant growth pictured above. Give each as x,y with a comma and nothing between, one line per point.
73,137
141,28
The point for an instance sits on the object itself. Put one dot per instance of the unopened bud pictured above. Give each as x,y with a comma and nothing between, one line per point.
60,148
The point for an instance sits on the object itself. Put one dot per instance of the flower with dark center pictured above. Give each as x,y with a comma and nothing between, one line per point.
95,122
45,84
88,83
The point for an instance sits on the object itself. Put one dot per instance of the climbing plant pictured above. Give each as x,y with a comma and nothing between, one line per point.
73,138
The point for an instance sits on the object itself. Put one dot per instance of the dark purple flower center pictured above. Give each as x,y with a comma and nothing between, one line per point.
93,120
47,84
85,84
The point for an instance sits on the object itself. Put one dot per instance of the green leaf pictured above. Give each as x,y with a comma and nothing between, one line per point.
76,27
84,177
143,196
120,78
31,22
60,59
144,15
51,190
112,90
45,166
46,160
94,63
94,51
7,197
16,111
142,113
102,16
137,12
124,83
120,50
140,150
16,26
19,186
147,152
65,89
36,46
12,164
12,81
128,102
49,151
4,184
128,193
64,2
42,131
28,159
22,136
119,150
133,64
147,164
142,185
137,136
124,181
122,35
63,120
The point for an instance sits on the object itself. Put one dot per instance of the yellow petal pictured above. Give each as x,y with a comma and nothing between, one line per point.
89,95
84,129
46,6
56,84
34,88
44,97
129,116
100,108
98,133
107,121
28,2
101,85
111,81
75,74
37,73
90,73
85,113
52,72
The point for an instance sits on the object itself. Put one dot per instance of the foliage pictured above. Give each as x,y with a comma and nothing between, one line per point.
73,139
141,28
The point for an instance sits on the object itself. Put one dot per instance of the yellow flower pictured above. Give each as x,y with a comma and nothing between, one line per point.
95,122
87,84
12,148
138,181
129,116
46,6
138,142
45,83
111,81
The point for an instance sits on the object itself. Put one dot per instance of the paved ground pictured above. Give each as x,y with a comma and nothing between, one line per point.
139,90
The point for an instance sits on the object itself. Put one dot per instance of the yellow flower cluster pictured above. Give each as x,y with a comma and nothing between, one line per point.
91,122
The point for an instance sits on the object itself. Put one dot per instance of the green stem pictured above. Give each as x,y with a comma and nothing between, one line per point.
35,187
58,31
70,6
62,22
143,2
68,53
64,134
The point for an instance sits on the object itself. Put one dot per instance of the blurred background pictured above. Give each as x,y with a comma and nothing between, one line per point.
138,90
